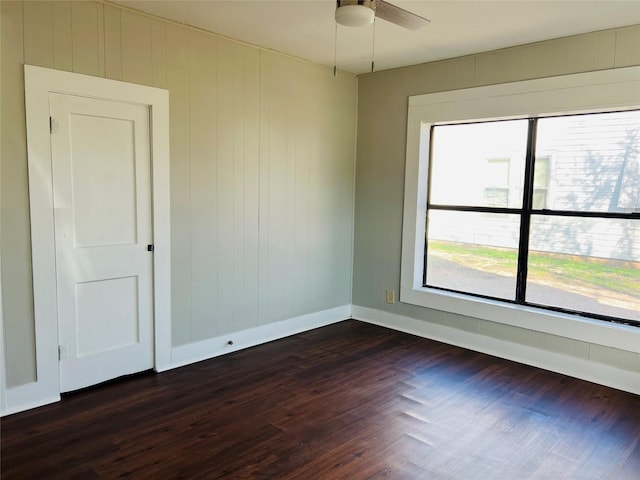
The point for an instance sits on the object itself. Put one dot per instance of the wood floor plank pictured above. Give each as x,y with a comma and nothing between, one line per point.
348,401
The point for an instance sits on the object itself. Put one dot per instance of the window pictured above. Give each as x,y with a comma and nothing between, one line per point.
541,182
486,192
496,191
494,229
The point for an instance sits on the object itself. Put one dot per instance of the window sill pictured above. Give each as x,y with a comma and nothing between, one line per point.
584,329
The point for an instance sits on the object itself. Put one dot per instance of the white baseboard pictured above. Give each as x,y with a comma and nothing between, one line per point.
213,347
602,374
25,397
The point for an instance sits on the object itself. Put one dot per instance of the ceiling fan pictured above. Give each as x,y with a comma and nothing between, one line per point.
360,13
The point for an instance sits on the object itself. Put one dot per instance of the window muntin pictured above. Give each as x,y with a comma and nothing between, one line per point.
581,165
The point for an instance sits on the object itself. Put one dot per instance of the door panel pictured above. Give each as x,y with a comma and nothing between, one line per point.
104,193
102,209
112,302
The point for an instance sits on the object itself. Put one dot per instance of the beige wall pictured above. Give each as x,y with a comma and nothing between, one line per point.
261,168
382,118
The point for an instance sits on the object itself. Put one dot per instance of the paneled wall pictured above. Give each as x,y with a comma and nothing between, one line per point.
262,165
382,118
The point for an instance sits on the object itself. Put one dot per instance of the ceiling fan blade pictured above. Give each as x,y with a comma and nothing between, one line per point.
399,16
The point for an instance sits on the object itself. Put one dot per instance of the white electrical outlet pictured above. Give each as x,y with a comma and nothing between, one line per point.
391,296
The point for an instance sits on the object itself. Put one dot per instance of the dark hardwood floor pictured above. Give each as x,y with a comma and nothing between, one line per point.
348,401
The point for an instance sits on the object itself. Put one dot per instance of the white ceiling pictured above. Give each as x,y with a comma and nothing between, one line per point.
306,28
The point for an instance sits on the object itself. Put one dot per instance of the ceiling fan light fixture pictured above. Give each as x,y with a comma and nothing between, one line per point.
354,15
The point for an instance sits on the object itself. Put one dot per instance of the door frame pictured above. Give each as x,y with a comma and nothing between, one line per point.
39,83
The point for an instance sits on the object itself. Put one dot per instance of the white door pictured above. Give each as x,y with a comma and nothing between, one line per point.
102,209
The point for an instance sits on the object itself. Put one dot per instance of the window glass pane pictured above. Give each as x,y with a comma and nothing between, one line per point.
478,164
585,264
593,162
473,252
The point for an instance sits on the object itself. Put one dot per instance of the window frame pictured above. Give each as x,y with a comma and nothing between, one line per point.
593,92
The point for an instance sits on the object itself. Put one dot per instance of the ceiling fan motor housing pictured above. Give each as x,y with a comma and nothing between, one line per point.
355,13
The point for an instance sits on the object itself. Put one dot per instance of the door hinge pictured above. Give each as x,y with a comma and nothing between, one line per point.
151,248
50,124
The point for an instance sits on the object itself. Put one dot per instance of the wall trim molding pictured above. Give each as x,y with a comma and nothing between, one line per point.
599,373
25,397
30,395
213,347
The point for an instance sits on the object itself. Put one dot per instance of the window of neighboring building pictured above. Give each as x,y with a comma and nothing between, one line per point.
541,182
496,191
